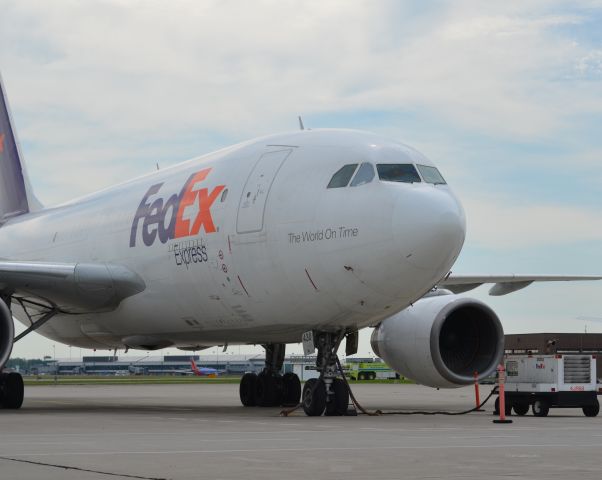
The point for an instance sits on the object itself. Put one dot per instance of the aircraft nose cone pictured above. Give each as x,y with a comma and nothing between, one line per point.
430,229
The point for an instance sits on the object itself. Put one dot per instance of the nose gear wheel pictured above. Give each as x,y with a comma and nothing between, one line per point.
314,397
339,401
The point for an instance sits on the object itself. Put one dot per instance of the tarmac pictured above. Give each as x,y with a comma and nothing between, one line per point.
202,432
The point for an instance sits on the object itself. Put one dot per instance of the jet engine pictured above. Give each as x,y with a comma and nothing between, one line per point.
7,333
441,341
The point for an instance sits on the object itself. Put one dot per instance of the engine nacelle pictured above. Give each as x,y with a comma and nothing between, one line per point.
7,333
441,341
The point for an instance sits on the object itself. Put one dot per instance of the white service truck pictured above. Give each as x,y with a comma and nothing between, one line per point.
550,381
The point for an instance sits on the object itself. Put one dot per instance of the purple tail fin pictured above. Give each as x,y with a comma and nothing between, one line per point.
16,197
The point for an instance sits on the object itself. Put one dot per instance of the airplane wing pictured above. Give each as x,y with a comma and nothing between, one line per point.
69,287
504,284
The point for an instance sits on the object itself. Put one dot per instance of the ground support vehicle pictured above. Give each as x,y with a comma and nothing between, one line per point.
371,371
550,381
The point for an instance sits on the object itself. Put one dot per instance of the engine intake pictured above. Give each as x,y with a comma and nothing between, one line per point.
441,341
7,333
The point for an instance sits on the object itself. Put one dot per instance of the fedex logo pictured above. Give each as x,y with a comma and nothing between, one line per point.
182,215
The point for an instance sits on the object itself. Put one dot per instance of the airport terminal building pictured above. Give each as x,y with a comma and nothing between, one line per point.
304,366
226,364
152,364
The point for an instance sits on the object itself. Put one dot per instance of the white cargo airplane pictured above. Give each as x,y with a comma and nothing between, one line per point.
312,234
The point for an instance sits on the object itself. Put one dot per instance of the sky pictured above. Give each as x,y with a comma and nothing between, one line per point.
505,97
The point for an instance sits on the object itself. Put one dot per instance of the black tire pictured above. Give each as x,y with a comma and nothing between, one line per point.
247,389
268,390
12,390
540,408
592,410
361,376
339,402
314,397
507,407
372,376
292,390
521,408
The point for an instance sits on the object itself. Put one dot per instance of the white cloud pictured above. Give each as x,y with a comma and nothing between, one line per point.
106,71
590,63
502,222
146,67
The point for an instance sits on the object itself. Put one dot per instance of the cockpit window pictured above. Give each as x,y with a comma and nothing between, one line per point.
397,172
431,175
341,178
364,174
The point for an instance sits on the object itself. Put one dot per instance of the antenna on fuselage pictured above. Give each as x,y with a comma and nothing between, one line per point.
301,123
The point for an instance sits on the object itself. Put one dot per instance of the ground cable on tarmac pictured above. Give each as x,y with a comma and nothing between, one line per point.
407,412
376,413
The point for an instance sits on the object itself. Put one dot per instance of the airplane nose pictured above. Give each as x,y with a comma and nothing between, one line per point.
429,226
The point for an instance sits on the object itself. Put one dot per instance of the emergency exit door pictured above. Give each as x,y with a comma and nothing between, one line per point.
251,208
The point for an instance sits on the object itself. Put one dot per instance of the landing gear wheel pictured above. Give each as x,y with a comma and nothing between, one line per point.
247,389
11,390
338,403
521,408
507,407
592,410
268,390
292,390
314,397
540,408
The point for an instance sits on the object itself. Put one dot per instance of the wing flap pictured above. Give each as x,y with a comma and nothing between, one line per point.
505,284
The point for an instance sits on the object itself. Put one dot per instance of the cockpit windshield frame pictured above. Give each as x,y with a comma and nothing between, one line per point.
342,176
364,174
398,172
431,174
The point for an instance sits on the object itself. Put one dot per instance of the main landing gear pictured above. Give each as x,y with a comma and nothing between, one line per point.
327,394
270,388
11,383
11,390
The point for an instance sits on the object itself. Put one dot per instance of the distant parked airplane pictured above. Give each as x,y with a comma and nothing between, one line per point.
203,371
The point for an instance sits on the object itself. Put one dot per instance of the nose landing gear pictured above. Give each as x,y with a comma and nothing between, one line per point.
328,394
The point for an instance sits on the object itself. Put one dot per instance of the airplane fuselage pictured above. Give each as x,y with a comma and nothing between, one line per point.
248,245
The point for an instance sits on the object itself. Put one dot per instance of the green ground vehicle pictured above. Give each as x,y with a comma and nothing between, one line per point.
371,371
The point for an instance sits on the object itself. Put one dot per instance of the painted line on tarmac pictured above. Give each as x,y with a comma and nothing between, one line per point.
481,428
305,449
177,433
95,434
13,444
